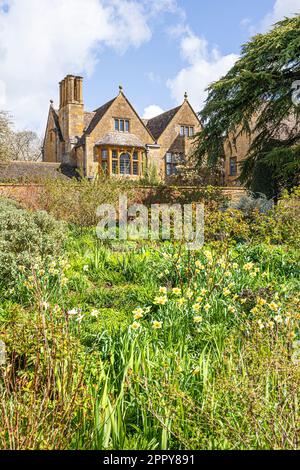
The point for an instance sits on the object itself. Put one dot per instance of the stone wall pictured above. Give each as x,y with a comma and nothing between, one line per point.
29,193
171,141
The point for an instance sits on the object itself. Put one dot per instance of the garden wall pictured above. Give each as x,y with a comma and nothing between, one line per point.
29,193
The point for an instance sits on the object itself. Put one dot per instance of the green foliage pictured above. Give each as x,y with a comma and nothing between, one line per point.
26,239
77,201
255,97
142,345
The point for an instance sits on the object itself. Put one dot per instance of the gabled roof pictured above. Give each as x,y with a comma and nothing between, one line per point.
87,117
158,124
56,122
98,115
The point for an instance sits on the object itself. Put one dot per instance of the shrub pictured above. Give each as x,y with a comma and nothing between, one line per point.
77,201
247,204
25,239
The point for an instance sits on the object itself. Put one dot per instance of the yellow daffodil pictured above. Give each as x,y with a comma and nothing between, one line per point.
198,319
203,291
138,311
162,290
248,266
231,309
199,265
135,325
181,301
138,315
273,306
157,325
176,291
196,307
199,299
226,291
260,301
207,307
161,300
189,293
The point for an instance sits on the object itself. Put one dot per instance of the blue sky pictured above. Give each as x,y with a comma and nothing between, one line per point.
219,21
157,49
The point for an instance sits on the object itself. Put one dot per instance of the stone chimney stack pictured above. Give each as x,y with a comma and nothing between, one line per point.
71,112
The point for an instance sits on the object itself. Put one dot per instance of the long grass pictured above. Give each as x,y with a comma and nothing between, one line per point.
215,372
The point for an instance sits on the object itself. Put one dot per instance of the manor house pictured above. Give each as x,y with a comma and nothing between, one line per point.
115,140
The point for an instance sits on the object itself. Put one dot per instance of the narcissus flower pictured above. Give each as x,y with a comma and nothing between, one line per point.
181,301
189,293
261,301
207,307
196,307
135,325
80,318
231,309
273,306
198,319
138,315
161,300
74,311
138,311
226,291
248,266
163,290
176,291
157,325
199,265
94,313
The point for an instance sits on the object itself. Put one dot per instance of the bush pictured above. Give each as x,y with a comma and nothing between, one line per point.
247,204
25,239
76,201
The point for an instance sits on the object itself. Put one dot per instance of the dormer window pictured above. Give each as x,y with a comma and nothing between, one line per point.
187,131
121,125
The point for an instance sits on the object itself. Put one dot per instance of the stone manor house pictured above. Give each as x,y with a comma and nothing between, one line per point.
115,140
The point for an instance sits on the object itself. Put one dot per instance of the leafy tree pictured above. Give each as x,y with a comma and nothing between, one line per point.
259,96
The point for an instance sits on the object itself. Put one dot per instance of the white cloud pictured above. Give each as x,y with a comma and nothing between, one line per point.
152,111
280,9
204,66
42,40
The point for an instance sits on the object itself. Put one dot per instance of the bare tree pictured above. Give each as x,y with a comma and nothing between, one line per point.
26,146
5,136
20,145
